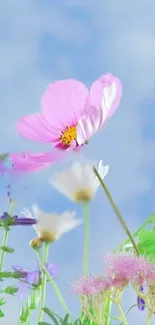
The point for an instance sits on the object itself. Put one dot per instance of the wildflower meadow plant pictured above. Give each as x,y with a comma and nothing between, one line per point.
70,115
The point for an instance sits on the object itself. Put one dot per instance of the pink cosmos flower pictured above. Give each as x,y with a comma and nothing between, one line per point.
71,114
121,268
88,285
27,162
125,268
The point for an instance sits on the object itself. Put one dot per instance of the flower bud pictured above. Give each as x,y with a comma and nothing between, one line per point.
36,243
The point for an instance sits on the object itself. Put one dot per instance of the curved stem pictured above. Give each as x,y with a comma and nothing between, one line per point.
122,316
4,243
44,279
86,238
117,212
56,289
147,222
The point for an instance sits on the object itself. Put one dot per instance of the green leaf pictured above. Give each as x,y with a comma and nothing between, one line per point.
152,218
65,321
4,157
34,299
43,323
1,313
2,301
51,315
11,290
7,249
24,315
146,243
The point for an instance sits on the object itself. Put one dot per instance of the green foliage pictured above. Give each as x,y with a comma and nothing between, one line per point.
1,313
57,320
2,301
43,323
34,299
24,315
11,290
7,249
146,243
15,275
4,157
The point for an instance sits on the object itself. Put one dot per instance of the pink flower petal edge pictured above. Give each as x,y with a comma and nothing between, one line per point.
104,99
27,162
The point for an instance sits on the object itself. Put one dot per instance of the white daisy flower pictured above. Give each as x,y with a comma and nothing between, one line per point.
79,182
51,226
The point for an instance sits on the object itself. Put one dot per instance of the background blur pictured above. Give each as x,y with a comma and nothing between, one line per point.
41,41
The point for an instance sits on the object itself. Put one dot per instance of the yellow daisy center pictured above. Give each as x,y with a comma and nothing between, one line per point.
83,196
48,236
68,135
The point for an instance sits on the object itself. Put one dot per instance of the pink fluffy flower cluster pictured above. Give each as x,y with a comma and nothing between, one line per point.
121,271
70,115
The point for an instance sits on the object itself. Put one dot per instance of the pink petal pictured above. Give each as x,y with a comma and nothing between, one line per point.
64,102
35,127
87,126
96,91
26,162
104,98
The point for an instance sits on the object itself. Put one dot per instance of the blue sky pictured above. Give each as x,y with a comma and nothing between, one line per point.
42,41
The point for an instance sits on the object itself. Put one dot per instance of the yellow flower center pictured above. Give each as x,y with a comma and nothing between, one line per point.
48,236
83,196
68,135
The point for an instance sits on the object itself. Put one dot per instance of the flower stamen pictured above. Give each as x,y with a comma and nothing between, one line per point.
68,135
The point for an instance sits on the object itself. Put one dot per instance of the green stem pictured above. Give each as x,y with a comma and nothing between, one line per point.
146,223
117,212
86,238
149,316
56,289
44,279
4,243
5,238
106,311
122,316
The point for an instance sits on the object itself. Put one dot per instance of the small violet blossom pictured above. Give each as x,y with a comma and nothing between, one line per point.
32,278
6,219
141,301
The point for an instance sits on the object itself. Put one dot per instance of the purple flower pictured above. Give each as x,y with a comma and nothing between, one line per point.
52,269
23,221
32,278
7,220
141,301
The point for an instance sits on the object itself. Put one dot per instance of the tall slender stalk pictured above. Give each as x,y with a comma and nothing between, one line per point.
86,238
149,316
54,285
146,223
108,305
44,279
5,237
122,316
117,211
4,244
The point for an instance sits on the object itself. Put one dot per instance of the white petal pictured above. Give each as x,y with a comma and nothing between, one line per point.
88,125
109,95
